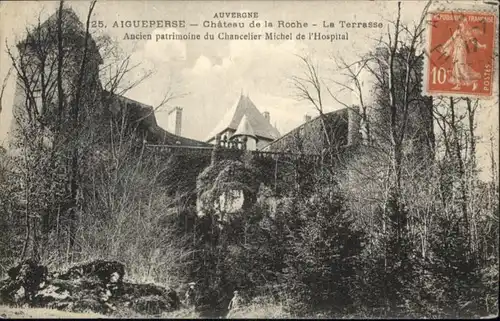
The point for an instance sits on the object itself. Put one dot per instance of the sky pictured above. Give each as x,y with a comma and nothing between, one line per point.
206,76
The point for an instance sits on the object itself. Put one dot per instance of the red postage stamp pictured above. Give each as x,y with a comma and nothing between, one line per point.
460,60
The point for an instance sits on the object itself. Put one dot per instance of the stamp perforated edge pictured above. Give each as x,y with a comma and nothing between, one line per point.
462,7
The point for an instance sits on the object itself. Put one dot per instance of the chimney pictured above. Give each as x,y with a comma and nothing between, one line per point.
266,116
307,118
176,118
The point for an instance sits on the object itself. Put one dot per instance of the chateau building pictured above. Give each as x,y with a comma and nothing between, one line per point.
147,125
245,122
40,98
310,138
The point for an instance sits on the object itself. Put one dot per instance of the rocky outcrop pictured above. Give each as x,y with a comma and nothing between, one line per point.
105,271
23,282
96,286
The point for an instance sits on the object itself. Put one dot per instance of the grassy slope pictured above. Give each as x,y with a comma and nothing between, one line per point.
29,313
260,311
38,313
253,311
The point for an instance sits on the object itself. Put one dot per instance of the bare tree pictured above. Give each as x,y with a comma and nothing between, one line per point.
56,68
4,84
309,87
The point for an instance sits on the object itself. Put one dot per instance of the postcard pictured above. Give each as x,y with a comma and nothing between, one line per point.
249,159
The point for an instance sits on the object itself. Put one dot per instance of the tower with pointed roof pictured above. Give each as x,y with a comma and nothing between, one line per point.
246,132
245,122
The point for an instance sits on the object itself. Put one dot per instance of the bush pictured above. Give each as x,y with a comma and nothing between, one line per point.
323,258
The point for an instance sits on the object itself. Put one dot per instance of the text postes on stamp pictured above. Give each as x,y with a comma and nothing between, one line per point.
461,48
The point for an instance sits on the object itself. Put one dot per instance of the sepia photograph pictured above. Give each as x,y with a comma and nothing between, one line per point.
268,159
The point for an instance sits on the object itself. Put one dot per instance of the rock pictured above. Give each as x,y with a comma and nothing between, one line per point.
80,285
67,293
105,271
86,305
13,272
96,286
28,275
53,275
19,295
8,288
60,305
138,290
32,275
128,293
49,294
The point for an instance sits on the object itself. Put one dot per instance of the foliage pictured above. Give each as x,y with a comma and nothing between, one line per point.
223,179
322,260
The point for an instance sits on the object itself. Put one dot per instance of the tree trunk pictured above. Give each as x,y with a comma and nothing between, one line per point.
75,166
27,211
461,172
60,58
396,152
471,169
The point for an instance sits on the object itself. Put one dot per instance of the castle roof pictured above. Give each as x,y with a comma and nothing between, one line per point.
257,122
312,131
244,128
144,115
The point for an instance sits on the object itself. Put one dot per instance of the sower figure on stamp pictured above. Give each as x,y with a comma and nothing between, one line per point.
457,48
235,302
